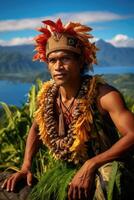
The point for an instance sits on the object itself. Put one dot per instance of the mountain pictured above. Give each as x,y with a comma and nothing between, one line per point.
23,49
109,55
18,59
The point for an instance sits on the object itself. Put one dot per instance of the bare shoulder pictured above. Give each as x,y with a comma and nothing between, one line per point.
109,98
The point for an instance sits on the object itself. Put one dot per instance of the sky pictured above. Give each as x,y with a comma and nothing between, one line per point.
111,20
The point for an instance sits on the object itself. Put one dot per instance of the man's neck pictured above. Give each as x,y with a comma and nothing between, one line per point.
68,92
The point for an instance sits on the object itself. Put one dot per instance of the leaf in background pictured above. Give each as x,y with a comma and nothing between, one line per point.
32,100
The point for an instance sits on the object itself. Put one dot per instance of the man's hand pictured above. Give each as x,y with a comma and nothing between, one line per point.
81,185
30,150
10,182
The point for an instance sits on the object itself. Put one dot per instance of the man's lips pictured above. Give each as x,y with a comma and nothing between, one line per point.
59,75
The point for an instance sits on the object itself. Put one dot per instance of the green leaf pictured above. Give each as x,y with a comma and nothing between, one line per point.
7,111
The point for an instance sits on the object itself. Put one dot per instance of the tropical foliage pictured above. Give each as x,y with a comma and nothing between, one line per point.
14,126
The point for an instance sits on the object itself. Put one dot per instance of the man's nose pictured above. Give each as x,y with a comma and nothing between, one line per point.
58,64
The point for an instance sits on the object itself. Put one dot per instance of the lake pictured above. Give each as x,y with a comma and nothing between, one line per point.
13,93
113,70
16,93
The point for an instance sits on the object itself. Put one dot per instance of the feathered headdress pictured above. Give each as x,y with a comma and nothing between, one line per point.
56,30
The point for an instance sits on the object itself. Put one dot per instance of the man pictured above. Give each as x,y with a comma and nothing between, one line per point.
76,118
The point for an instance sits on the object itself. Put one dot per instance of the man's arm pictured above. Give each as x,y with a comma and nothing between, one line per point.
32,144
124,121
30,150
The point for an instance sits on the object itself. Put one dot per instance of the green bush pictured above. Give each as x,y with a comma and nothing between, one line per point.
15,125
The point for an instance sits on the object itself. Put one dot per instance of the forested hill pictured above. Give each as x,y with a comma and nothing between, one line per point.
19,58
109,55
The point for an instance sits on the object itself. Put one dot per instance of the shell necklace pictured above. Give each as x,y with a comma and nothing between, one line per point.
60,145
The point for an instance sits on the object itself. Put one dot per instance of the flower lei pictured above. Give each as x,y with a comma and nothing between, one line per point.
72,147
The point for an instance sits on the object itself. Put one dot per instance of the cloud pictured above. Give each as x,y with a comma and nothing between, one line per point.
83,17
121,40
91,17
17,41
22,24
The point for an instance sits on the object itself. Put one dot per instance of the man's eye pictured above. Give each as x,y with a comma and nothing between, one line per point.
66,59
51,60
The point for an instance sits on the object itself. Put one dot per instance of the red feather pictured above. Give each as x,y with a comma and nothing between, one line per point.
70,31
45,31
50,23
59,26
41,38
36,56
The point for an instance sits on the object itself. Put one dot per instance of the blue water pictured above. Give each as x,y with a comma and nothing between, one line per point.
16,93
113,70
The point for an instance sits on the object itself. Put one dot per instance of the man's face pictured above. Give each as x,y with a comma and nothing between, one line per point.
64,67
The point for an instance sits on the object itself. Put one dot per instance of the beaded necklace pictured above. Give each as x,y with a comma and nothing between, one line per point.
70,147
